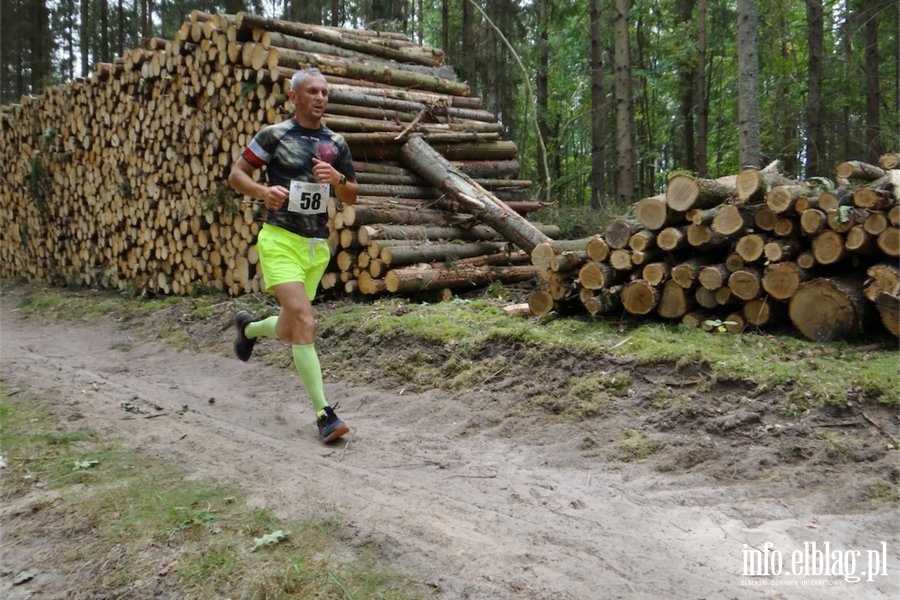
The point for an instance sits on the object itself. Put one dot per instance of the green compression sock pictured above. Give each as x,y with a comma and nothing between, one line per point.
264,328
306,361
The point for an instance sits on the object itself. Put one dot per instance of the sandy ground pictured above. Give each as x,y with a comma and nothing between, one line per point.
506,511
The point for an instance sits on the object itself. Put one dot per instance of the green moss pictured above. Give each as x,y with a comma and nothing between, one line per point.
635,445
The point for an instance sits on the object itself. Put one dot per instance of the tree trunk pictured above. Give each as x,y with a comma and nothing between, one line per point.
598,99
625,153
749,138
815,66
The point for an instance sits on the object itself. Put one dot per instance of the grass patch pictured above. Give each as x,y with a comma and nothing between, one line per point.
635,445
105,510
829,373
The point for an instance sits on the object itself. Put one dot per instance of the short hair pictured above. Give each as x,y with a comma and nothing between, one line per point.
302,75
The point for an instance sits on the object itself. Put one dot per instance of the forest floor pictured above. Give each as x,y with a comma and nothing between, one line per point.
481,492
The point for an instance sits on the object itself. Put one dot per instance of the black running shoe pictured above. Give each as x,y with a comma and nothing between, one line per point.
243,346
330,426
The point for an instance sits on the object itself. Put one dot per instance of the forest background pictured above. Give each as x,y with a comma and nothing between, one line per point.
605,99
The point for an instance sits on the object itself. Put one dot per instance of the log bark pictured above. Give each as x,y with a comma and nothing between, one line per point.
424,277
888,306
407,254
383,231
341,38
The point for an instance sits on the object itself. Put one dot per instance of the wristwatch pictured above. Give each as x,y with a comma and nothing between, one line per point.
343,180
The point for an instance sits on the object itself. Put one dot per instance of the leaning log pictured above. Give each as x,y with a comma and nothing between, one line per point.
474,199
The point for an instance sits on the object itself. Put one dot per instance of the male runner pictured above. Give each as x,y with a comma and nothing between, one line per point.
304,161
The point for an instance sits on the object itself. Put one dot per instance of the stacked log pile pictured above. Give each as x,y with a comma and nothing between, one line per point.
753,249
119,179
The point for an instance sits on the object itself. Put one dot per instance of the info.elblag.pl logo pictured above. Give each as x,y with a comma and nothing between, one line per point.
813,564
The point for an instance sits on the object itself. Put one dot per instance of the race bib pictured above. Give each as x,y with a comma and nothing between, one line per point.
308,198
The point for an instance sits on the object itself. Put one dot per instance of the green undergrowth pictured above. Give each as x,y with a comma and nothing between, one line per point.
809,373
812,374
105,510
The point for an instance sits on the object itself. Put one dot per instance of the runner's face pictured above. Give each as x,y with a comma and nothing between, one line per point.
310,100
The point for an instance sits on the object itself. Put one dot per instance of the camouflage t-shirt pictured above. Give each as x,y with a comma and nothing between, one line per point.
287,150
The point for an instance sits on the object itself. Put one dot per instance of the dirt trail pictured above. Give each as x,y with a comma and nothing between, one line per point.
482,512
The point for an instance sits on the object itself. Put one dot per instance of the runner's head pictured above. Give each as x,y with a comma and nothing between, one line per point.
309,94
